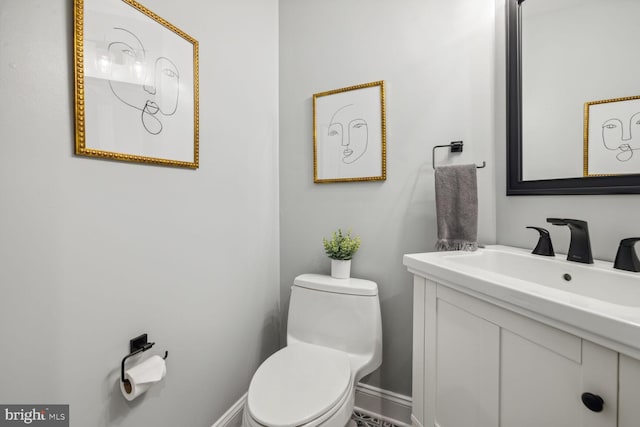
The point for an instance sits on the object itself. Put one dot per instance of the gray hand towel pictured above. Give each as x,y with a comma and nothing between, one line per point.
457,208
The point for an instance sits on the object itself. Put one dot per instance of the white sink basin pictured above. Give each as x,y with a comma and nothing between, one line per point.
591,297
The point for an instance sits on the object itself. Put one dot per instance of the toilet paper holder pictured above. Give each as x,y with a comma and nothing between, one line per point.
137,345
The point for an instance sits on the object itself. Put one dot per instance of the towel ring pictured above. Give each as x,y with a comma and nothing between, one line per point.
456,147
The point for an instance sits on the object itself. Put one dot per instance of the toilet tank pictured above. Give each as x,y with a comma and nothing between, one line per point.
343,314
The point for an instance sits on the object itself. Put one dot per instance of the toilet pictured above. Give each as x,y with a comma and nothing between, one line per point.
334,339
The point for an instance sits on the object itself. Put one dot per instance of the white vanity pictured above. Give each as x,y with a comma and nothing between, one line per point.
505,338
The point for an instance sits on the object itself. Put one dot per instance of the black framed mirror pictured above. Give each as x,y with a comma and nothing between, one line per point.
520,180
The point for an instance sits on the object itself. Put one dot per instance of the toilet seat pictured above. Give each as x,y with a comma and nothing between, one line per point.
298,384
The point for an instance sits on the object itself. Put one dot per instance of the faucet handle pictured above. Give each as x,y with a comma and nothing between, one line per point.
544,246
626,258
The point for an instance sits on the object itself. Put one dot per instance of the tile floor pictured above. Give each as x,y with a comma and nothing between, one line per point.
363,419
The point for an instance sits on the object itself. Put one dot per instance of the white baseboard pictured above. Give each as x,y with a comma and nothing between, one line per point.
415,422
385,405
233,416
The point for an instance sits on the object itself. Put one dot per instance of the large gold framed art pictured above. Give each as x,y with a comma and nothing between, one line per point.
136,85
349,134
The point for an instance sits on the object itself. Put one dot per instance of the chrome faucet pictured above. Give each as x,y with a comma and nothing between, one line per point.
580,246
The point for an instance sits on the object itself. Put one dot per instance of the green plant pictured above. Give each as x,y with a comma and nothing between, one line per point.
341,246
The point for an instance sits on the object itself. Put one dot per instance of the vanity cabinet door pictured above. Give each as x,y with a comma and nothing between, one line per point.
629,389
455,363
467,369
538,387
542,386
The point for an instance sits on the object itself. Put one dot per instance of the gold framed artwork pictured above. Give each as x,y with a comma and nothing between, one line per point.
136,85
349,134
612,137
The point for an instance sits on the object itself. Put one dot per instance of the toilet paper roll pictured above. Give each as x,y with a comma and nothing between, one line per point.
139,378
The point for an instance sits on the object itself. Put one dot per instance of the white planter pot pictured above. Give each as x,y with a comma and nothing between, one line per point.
340,269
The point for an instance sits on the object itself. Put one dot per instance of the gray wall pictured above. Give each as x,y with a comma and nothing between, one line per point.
95,252
437,58
610,217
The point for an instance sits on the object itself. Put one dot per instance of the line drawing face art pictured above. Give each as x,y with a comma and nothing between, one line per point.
349,132
618,137
154,89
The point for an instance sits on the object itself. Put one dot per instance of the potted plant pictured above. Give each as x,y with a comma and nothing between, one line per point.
341,248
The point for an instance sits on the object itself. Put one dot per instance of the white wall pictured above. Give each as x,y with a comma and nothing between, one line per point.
437,60
610,217
95,252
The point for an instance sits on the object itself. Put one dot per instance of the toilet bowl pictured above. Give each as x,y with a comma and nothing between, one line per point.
302,384
334,338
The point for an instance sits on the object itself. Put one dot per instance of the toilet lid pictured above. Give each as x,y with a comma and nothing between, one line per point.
298,384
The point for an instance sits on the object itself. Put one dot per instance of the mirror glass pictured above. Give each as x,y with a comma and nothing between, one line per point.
571,65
